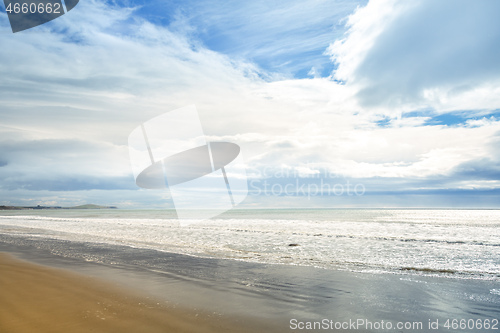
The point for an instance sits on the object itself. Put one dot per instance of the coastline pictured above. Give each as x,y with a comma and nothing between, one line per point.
39,207
463,243
269,296
38,298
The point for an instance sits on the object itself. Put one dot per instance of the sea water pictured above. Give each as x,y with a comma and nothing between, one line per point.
448,243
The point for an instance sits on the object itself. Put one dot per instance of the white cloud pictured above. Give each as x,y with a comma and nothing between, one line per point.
406,55
72,92
284,36
396,152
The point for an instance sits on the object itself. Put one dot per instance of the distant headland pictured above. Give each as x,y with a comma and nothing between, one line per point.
89,206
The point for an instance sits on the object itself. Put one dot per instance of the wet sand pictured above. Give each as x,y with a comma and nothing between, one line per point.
150,291
36,298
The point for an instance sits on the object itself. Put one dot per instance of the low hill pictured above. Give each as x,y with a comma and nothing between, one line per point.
92,206
89,206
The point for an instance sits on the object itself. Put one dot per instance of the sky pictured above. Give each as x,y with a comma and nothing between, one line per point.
334,103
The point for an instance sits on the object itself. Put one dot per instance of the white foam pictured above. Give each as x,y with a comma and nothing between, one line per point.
466,242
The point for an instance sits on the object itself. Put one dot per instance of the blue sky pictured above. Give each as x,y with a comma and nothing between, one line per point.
288,38
400,98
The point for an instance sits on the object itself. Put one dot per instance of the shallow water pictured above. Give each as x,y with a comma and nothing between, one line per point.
272,292
456,243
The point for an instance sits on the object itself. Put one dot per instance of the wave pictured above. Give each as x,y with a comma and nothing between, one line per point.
398,239
453,273
259,228
427,240
430,270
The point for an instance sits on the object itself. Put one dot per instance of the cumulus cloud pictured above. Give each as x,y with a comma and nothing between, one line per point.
408,55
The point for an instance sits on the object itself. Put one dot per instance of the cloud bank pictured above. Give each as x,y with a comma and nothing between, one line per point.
409,108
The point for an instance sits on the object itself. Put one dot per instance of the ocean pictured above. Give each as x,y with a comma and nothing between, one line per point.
459,244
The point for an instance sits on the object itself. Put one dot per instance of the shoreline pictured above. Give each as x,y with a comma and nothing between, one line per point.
81,207
391,242
37,298
267,295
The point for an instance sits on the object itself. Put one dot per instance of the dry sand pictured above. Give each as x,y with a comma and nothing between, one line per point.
39,299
